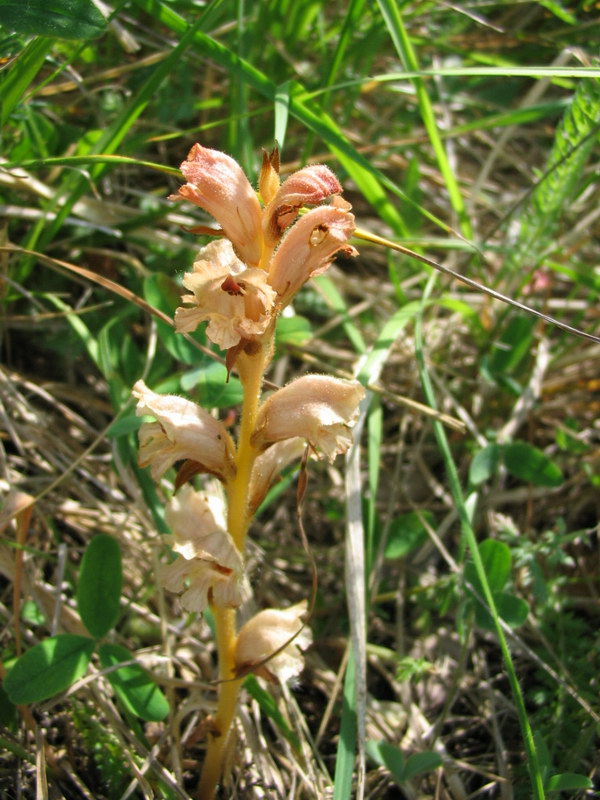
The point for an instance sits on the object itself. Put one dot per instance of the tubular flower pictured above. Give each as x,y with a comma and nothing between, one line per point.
226,287
183,430
236,300
201,582
217,183
318,408
308,249
263,635
209,567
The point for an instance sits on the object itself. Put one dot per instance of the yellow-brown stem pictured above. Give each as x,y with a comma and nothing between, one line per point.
251,368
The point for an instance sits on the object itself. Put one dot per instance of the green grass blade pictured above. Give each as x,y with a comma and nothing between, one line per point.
344,762
20,74
403,45
464,514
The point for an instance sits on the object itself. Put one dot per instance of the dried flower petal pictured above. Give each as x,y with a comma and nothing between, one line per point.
261,637
237,301
317,407
269,465
183,430
308,248
217,183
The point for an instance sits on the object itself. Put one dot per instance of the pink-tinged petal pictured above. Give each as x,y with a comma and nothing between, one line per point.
262,636
308,249
308,186
318,408
237,301
217,183
183,430
269,465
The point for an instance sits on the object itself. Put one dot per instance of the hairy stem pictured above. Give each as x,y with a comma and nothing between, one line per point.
251,368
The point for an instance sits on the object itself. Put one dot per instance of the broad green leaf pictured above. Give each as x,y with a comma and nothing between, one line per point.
386,755
407,532
48,668
294,330
484,464
421,762
8,712
61,19
568,782
133,685
212,387
529,464
497,562
163,293
99,585
512,609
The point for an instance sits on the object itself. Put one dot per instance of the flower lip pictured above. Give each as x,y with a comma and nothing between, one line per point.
183,430
318,408
217,183
237,301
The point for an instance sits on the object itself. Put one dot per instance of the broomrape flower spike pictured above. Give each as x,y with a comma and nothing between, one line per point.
265,253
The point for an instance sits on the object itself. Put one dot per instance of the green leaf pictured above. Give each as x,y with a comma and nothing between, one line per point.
163,293
529,464
388,756
407,532
134,687
269,707
294,330
421,762
568,781
99,585
48,668
513,345
512,609
62,19
484,464
211,384
497,562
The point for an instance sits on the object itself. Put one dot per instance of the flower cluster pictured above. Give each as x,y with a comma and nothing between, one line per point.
266,250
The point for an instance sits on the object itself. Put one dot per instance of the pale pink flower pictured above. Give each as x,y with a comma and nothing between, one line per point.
308,248
197,520
183,430
308,186
262,636
269,465
201,582
209,567
217,183
236,300
318,408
